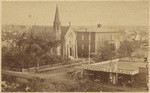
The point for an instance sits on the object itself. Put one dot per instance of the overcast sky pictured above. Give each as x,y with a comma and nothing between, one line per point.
79,13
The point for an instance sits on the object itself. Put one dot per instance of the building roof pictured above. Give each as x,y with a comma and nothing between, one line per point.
64,30
121,67
42,30
102,29
15,28
57,15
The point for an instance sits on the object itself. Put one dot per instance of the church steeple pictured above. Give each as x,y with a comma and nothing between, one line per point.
57,24
57,15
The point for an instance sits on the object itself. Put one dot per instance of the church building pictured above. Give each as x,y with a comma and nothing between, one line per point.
78,42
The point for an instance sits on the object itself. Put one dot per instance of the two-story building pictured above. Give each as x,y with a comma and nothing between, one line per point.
92,39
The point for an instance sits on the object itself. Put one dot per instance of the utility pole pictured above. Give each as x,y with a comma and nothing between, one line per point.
89,46
116,68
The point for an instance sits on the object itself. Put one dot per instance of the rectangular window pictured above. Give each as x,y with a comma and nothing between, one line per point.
82,47
82,37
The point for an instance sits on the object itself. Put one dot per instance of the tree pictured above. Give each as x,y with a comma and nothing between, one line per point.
128,47
125,49
37,46
106,52
30,50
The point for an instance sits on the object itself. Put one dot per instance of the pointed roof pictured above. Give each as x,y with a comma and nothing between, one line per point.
43,30
137,37
57,15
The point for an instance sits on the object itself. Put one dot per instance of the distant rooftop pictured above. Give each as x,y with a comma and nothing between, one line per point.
95,29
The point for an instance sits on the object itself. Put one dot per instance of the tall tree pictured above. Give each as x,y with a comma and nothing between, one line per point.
36,46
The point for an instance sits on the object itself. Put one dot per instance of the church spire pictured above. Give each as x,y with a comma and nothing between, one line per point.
57,15
57,24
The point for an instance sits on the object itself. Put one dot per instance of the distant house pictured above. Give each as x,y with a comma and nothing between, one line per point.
137,37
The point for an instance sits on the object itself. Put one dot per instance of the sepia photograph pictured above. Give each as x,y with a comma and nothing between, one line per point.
75,46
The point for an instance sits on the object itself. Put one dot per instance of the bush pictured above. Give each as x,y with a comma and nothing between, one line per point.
18,60
52,59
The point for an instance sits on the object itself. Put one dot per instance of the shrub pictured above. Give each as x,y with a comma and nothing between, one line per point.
52,59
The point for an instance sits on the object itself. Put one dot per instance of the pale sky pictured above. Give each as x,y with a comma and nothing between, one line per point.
77,12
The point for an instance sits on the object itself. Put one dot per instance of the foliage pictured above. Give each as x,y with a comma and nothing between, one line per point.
106,52
51,59
33,85
40,85
139,53
36,85
9,84
17,59
125,49
128,47
31,50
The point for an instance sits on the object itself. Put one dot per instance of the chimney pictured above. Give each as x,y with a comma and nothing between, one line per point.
69,23
99,25
85,29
